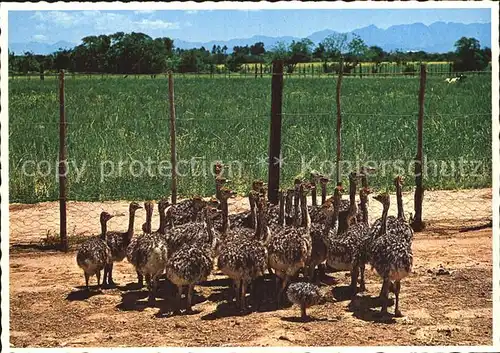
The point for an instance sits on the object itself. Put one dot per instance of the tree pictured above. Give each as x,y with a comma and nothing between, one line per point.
241,50
293,53
338,48
301,51
29,63
172,63
398,56
375,54
280,52
335,45
257,49
62,59
193,60
357,50
13,62
469,56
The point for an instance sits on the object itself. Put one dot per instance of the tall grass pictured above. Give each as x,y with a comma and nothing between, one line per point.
228,120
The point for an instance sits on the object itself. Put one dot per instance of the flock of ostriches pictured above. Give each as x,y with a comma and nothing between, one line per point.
285,239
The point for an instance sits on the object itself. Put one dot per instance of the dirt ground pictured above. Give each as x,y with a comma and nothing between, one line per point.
31,223
447,300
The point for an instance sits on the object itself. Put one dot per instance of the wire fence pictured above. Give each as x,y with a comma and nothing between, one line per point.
225,74
118,144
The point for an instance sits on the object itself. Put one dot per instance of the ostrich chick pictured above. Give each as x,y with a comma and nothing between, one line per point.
305,295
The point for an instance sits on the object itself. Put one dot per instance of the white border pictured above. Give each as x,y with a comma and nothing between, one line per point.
262,5
4,187
495,170
494,6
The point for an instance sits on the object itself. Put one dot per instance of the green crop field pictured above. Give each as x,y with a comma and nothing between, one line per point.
316,68
113,122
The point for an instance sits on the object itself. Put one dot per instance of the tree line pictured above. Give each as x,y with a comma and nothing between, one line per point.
138,53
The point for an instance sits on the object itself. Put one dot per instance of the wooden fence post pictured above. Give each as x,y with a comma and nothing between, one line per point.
173,159
275,132
339,119
62,166
418,224
260,70
256,71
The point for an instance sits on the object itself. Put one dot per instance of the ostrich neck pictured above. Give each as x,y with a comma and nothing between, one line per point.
313,195
364,209
336,209
288,204
161,227
296,209
383,226
254,217
281,219
104,229
257,216
399,198
225,216
149,216
306,219
352,198
323,193
260,229
209,227
130,230
217,190
253,221
364,181
264,229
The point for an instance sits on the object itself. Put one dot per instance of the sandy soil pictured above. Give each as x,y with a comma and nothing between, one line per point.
48,307
451,306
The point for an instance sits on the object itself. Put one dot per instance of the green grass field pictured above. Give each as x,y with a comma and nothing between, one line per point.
228,120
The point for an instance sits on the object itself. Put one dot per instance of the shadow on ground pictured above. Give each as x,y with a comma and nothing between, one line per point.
83,294
363,309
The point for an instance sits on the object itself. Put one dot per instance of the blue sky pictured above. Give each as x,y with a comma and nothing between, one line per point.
202,26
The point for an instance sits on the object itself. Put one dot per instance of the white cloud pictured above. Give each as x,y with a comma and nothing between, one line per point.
100,21
141,12
39,38
41,27
63,19
157,24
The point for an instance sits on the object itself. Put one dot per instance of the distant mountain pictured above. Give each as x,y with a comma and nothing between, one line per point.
269,42
39,48
438,37
317,37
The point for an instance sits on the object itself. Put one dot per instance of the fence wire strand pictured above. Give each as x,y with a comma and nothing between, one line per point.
36,218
